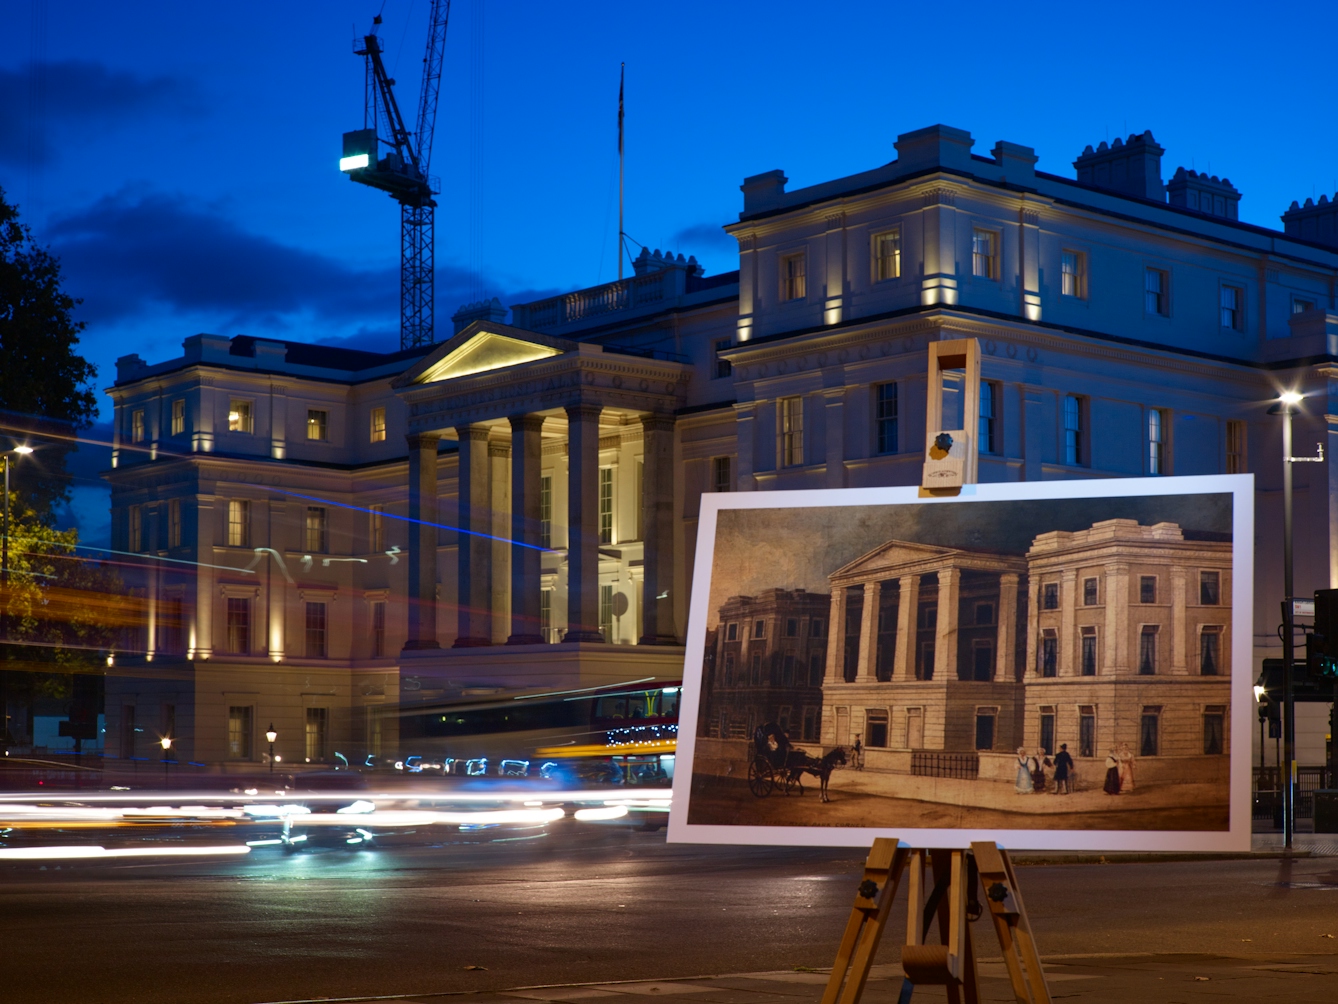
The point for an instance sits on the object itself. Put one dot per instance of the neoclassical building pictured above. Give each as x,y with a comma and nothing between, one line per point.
325,533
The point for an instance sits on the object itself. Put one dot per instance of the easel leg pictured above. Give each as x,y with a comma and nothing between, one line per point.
1011,924
868,917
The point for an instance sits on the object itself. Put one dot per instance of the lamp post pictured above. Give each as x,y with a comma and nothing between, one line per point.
270,736
21,451
166,743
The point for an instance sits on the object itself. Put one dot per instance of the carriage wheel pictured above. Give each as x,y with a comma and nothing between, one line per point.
760,779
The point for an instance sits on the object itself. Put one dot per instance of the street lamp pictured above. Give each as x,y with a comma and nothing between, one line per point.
166,743
21,451
270,736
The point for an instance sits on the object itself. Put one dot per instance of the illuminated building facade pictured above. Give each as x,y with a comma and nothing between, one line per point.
1129,327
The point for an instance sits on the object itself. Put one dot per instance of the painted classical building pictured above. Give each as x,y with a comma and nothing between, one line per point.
434,521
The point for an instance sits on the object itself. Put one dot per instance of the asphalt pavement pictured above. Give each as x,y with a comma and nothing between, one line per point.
586,911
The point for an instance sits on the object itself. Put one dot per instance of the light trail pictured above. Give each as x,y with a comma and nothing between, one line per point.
72,852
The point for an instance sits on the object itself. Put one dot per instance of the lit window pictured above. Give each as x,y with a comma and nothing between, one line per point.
983,255
1156,441
988,404
1155,300
1235,447
546,614
793,277
721,479
887,256
178,417
606,505
378,425
1233,313
723,367
239,523
317,424
377,527
239,733
606,612
317,720
316,630
792,431
1073,454
1300,306
1072,269
137,426
315,529
239,416
546,511
885,417
239,625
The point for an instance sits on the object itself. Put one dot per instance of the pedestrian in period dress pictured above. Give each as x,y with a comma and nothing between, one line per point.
1063,768
859,754
1038,764
1024,785
1112,786
1126,769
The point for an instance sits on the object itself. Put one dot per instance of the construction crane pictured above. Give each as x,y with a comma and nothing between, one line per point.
402,172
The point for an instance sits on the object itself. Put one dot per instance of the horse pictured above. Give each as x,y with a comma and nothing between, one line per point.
819,768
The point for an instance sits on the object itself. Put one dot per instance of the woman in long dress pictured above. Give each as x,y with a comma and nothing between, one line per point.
1038,765
1126,769
1024,785
1112,786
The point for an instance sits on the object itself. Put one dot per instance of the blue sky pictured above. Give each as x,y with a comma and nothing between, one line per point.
182,158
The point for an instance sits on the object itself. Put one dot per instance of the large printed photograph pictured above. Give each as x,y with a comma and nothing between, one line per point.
1028,664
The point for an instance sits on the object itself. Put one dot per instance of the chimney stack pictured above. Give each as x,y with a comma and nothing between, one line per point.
1210,196
484,310
1130,167
1315,221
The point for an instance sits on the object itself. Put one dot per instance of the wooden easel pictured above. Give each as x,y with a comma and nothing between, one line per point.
952,899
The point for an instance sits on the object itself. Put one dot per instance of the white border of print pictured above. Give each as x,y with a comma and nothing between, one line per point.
1235,838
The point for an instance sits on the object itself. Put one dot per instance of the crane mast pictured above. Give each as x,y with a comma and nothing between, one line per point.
403,171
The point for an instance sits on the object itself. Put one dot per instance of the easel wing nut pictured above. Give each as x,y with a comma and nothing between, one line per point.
1001,898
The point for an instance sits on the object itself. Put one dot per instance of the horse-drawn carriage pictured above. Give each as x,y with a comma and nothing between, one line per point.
777,765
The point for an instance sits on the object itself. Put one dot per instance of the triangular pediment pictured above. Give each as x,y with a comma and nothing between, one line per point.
893,554
480,348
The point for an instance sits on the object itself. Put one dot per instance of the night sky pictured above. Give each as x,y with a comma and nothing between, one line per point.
182,158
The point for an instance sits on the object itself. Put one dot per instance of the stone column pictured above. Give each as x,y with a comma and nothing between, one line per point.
200,643
1068,623
275,584
1005,635
657,530
1034,431
908,610
745,425
835,399
473,595
422,542
499,542
868,635
1033,624
1118,627
836,637
526,470
583,523
945,640
1179,640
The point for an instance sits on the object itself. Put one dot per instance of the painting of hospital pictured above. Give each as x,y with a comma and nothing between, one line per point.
1050,664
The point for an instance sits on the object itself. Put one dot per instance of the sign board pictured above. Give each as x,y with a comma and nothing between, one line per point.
1054,665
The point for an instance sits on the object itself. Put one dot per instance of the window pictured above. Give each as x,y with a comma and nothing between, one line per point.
982,661
1214,729
317,424
1235,447
815,629
606,612
239,523
1048,730
546,614
317,720
1073,274
875,727
136,528
378,628
314,538
810,733
1147,650
815,670
793,276
1155,300
1300,306
759,629
988,398
721,476
792,431
546,511
984,614
1147,733
376,527
983,253
1073,451
1156,441
1233,309
178,417
1210,651
1089,651
1210,591
732,632
887,256
239,416
239,625
885,417
316,630
1147,589
1050,596
1086,730
756,677
723,367
1089,592
174,523
1049,654
606,505
239,733
378,430
792,627
137,426
985,728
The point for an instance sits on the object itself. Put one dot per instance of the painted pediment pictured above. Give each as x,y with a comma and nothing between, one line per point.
893,554
481,348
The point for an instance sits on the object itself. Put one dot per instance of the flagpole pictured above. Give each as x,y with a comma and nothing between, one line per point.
622,75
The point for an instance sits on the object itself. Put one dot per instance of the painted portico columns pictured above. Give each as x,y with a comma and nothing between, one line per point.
526,470
657,530
473,564
422,542
583,523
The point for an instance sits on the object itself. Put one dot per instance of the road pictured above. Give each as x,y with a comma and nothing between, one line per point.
586,903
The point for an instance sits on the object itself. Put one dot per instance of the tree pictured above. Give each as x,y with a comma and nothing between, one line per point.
44,384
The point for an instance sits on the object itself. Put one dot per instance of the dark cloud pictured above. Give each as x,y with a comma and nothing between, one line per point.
704,237
37,100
